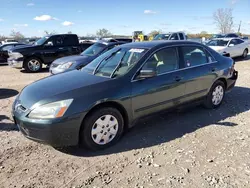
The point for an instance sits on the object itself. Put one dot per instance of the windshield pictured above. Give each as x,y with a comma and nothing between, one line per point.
94,49
41,41
217,43
162,37
218,36
115,62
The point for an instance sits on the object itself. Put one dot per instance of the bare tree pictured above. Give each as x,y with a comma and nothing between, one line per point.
17,35
49,33
224,20
69,32
154,33
103,33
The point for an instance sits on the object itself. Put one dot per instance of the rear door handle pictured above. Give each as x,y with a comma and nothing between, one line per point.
178,78
61,48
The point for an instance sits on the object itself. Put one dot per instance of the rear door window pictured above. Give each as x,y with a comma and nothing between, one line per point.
69,40
239,41
174,36
58,41
181,36
194,56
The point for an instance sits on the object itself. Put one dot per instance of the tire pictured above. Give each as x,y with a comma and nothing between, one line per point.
33,64
215,96
93,136
245,52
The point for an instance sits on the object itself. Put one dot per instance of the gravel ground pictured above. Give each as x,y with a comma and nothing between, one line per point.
189,148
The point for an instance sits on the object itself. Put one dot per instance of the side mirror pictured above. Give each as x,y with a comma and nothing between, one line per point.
49,44
231,45
147,73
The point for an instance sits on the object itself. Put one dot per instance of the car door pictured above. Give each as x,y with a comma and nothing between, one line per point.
200,71
162,91
233,48
241,46
49,51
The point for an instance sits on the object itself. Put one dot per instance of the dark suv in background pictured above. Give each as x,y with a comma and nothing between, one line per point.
45,51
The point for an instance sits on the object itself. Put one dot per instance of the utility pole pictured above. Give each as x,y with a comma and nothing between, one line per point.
239,27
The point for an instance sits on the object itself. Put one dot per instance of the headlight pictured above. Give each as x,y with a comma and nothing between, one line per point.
65,65
15,55
50,110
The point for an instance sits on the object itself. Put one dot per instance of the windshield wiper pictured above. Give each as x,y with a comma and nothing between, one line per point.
118,66
105,59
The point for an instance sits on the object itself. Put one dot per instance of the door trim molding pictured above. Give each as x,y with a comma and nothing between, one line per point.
168,101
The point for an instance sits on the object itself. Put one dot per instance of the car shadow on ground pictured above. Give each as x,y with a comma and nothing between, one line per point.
239,59
7,93
168,126
44,70
7,126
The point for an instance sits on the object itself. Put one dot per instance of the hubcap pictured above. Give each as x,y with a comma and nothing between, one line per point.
218,94
104,129
34,65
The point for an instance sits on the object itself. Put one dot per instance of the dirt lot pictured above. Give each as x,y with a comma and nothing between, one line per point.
191,148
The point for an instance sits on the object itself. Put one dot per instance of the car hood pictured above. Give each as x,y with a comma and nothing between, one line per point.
75,58
218,48
23,48
56,86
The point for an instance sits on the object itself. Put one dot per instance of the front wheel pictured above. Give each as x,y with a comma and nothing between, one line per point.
215,95
33,65
244,55
102,128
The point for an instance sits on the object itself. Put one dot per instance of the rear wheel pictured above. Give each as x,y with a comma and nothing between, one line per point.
215,95
102,128
244,55
33,65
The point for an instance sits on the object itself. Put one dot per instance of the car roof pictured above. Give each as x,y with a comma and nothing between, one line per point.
107,43
151,44
226,38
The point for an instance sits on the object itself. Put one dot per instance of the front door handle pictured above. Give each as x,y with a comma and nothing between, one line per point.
178,78
61,48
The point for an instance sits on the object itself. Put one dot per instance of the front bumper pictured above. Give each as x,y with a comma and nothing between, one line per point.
15,63
57,132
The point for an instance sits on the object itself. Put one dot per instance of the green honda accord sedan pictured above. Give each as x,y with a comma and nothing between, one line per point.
93,106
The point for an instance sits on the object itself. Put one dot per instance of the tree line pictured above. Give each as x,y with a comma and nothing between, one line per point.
223,18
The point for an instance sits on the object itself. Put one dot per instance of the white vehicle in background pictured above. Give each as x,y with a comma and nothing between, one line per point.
235,47
171,36
8,41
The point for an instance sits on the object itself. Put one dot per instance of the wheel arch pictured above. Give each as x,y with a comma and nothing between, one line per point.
112,104
32,56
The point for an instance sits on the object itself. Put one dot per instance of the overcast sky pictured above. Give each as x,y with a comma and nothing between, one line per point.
32,17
